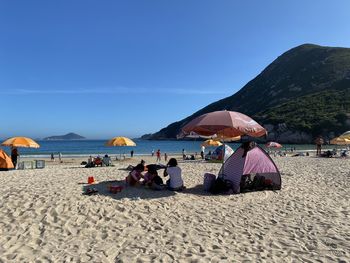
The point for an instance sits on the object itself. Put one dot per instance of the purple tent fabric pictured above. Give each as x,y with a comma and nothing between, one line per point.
256,161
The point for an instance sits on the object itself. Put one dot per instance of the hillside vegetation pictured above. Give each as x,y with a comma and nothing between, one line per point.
303,93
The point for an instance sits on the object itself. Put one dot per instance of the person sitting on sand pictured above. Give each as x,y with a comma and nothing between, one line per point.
175,182
135,175
107,160
98,161
152,179
90,162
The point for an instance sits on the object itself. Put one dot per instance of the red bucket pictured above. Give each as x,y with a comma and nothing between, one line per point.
91,180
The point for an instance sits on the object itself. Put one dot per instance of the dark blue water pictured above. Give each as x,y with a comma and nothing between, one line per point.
94,147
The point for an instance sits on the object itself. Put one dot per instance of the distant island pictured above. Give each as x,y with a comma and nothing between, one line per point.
68,136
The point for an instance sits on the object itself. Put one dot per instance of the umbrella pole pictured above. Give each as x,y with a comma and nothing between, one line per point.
223,158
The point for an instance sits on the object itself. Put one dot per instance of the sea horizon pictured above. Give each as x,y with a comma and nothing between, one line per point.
94,147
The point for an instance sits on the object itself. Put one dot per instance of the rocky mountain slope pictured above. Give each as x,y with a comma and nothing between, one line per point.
302,94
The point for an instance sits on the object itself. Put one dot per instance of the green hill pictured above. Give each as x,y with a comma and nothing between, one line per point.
303,93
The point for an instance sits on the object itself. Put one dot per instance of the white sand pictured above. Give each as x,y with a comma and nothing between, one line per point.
44,217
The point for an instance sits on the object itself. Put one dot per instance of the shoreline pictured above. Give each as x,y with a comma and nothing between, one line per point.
127,155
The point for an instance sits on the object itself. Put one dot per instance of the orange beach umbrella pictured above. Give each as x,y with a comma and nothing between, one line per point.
345,135
120,141
340,141
21,142
211,143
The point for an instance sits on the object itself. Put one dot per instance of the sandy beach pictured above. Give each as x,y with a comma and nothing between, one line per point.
44,216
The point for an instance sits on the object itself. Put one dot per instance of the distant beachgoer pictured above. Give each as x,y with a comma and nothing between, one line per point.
14,156
183,152
175,182
98,161
202,155
60,157
152,153
132,153
319,141
158,155
107,160
90,162
165,157
52,157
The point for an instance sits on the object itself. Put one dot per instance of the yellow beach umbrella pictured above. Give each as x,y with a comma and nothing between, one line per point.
21,142
211,143
340,141
345,135
120,141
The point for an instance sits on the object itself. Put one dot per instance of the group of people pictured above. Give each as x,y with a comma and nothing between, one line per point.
147,175
98,161
59,157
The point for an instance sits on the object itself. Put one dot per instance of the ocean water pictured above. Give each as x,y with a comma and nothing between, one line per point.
95,147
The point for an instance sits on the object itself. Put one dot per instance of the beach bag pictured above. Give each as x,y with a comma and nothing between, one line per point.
258,182
246,183
221,186
209,180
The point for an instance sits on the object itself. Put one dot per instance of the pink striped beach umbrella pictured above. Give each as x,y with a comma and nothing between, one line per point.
224,124
273,145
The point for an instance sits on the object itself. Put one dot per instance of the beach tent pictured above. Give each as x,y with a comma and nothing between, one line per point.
256,162
5,161
217,153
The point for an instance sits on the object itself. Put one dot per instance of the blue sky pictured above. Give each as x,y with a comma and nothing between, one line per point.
110,68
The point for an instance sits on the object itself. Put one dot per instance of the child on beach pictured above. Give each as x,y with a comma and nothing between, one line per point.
153,180
135,175
175,182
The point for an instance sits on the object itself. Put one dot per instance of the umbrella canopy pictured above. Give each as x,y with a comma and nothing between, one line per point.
345,135
21,142
120,141
211,143
340,141
273,145
224,124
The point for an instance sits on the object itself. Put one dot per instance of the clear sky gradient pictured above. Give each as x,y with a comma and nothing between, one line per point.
110,68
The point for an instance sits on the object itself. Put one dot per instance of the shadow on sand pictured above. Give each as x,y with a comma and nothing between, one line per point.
129,192
196,190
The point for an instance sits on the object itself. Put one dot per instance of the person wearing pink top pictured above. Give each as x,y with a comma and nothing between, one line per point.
135,175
